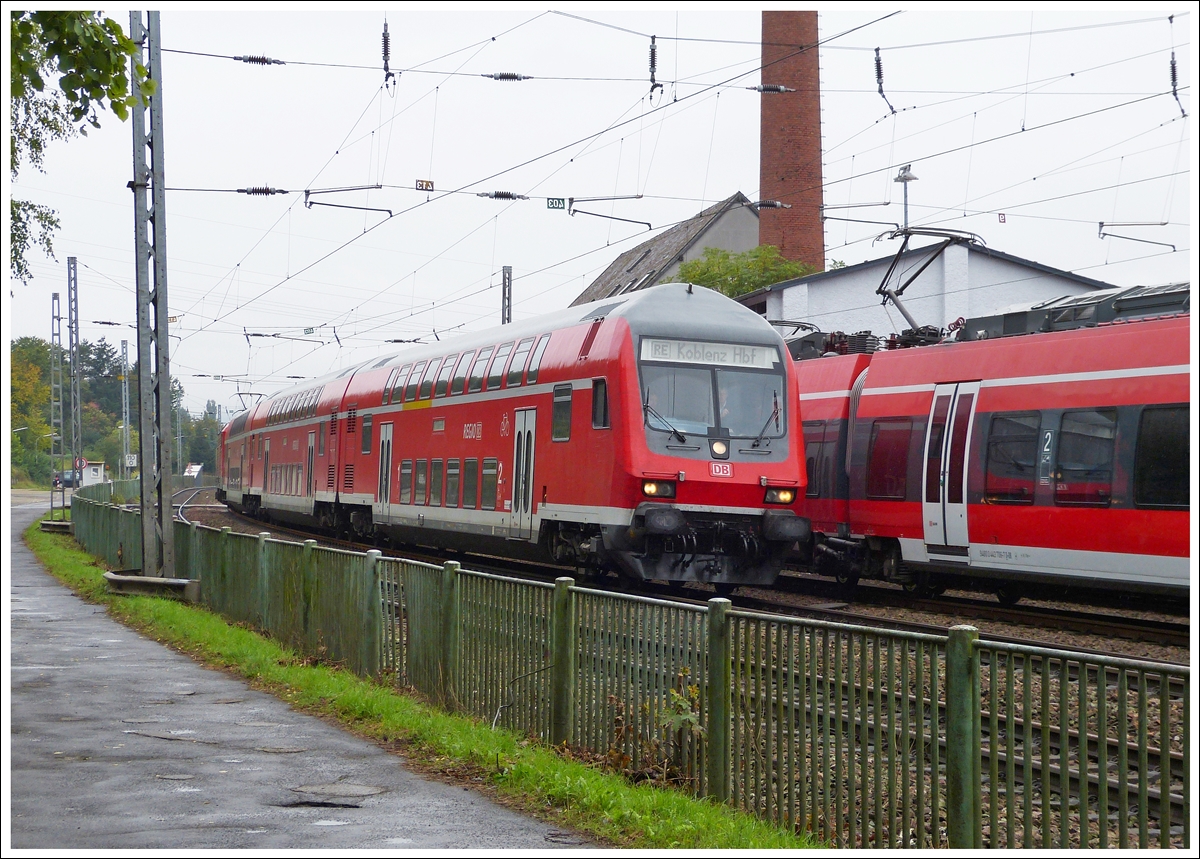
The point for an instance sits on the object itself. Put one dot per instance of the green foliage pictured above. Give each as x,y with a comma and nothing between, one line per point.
737,274
88,55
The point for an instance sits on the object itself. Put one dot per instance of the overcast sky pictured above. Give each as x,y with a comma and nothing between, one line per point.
1026,128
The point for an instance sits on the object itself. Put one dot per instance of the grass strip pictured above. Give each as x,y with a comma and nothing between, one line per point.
525,775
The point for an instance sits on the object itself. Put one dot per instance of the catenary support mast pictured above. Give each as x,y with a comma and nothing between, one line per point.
154,373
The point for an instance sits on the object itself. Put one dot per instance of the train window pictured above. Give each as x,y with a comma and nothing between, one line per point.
401,378
887,459
470,483
1012,455
443,379
452,482
491,469
497,371
814,433
536,361
600,404
366,433
516,369
679,399
420,483
460,373
1085,458
406,471
933,458
427,379
475,384
560,417
435,483
958,448
410,391
321,440
1161,468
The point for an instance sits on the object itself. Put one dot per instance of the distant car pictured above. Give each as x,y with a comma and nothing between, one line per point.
68,479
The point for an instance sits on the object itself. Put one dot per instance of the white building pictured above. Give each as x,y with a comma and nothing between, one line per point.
964,281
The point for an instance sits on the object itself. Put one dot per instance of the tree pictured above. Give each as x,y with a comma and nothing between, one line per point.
89,55
737,274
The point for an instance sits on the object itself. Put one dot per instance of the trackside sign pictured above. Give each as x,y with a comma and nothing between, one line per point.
698,352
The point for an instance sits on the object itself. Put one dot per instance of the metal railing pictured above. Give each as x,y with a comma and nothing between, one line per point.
864,738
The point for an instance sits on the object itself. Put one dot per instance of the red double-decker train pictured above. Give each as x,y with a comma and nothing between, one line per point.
1042,447
656,434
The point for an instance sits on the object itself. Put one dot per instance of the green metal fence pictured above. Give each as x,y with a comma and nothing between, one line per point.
1076,751
837,730
863,737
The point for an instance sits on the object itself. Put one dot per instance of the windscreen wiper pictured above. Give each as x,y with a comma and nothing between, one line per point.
648,410
774,414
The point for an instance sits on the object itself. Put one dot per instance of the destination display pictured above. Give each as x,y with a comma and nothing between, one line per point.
699,352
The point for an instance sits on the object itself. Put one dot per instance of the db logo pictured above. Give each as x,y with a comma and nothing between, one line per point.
720,469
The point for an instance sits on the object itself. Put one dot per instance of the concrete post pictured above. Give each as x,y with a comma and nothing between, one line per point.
372,639
962,738
718,699
562,674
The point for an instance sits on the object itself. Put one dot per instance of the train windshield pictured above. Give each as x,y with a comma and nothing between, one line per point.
713,389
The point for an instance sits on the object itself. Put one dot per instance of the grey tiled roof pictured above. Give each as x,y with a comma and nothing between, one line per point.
642,266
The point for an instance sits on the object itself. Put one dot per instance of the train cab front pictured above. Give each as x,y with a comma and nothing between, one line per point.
715,474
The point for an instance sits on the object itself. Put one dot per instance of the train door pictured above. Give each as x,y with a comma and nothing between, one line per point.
241,470
944,491
308,471
523,450
384,484
267,487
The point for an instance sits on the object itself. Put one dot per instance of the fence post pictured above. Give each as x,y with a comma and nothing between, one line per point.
264,577
448,657
562,655
962,738
371,639
718,699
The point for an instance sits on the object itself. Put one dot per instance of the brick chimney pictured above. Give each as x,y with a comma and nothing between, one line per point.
790,139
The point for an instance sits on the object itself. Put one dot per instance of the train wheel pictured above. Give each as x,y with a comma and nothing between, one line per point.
724,589
1008,595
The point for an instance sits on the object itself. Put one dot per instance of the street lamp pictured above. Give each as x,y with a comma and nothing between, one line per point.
904,177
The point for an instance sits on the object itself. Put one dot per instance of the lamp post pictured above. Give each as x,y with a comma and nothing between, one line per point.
904,177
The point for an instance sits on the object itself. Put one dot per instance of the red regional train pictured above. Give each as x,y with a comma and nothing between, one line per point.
1010,462
657,435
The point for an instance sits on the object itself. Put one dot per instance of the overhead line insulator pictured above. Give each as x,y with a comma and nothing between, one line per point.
508,76
261,61
262,191
771,88
772,204
502,195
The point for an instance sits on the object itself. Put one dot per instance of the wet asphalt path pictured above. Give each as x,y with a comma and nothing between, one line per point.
119,742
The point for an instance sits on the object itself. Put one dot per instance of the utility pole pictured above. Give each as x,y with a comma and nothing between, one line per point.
154,369
76,370
506,296
124,409
58,494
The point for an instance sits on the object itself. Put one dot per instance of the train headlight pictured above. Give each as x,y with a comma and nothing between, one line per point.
780,496
719,448
658,488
